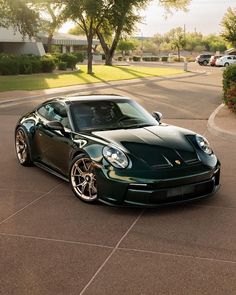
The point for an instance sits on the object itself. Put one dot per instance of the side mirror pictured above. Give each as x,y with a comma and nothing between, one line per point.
55,125
157,116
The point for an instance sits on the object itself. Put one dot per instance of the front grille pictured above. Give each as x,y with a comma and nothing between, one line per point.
167,193
181,193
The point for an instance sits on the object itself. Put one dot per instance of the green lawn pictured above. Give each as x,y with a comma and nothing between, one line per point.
102,74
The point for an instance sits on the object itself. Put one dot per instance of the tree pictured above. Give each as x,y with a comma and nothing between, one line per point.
89,15
125,46
76,30
214,43
228,25
177,39
19,15
51,19
122,19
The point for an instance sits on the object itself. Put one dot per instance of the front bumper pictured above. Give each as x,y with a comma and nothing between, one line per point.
158,193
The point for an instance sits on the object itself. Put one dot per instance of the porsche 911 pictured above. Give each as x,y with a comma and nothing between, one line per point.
110,149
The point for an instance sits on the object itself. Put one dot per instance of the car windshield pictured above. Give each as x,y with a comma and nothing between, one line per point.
107,115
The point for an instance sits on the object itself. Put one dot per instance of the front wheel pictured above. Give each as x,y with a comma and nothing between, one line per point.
22,147
83,179
226,64
205,62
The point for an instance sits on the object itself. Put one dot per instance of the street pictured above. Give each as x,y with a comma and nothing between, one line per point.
52,243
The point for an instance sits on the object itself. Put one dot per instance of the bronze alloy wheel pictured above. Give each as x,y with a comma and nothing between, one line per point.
22,147
83,179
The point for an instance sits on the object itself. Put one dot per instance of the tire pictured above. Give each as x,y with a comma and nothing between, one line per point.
226,64
205,62
22,147
83,179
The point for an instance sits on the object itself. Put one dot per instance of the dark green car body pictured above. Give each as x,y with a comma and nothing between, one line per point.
165,163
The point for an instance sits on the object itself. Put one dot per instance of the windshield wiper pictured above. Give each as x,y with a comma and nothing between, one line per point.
138,125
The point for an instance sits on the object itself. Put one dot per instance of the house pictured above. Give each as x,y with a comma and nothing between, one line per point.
66,42
231,51
12,42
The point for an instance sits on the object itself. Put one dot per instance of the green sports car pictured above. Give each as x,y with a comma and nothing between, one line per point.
111,149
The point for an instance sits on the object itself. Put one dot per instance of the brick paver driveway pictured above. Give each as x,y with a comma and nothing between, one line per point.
51,243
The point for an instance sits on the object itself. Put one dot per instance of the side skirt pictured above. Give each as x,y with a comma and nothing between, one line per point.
50,170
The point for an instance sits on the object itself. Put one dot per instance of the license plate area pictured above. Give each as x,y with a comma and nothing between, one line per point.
180,191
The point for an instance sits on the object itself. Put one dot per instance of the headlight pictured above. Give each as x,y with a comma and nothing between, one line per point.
204,144
115,156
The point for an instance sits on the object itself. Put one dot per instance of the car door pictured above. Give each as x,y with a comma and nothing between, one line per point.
54,146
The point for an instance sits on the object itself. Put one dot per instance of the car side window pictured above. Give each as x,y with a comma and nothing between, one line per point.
55,112
229,57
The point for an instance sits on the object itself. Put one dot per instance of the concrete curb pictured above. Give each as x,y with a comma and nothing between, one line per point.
214,129
74,89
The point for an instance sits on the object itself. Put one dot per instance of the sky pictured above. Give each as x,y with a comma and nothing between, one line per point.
204,16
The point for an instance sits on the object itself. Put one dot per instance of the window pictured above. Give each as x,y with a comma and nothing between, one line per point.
55,111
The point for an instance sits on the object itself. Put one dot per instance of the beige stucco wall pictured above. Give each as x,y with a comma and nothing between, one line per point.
9,35
13,43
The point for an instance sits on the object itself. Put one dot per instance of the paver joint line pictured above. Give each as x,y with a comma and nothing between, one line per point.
177,255
55,240
112,252
29,204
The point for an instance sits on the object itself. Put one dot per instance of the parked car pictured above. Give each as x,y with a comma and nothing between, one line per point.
111,149
213,59
203,59
226,60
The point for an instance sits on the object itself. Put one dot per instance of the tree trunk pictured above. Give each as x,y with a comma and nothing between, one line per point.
90,54
178,53
109,52
49,43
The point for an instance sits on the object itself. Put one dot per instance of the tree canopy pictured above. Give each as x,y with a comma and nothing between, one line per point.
228,25
19,15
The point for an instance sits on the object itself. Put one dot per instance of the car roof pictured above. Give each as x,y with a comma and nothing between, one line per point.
92,97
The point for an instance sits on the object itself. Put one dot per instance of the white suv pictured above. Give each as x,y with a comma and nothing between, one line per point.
226,60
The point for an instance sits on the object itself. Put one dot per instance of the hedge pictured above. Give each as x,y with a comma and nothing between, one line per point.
229,87
71,59
26,64
136,58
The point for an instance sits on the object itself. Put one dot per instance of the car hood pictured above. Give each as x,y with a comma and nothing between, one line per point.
157,146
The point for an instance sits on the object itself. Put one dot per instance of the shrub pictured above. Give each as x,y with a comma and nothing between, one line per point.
146,58
229,87
164,58
48,64
230,97
36,65
70,59
62,66
80,56
176,59
9,65
25,65
136,58
155,58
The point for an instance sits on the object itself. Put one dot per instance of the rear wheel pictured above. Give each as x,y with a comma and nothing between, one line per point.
226,64
22,147
83,179
205,62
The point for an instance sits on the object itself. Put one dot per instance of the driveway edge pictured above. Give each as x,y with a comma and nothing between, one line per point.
216,130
